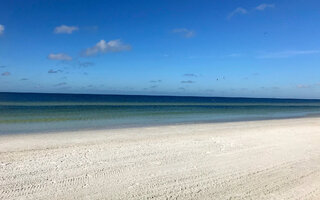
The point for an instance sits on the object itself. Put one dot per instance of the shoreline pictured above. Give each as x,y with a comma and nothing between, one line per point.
266,159
116,127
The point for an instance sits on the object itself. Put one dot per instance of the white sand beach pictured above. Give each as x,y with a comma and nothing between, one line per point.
271,159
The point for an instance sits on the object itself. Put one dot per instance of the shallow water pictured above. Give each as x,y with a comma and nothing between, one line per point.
27,112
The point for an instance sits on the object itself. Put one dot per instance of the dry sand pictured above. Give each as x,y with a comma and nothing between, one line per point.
275,159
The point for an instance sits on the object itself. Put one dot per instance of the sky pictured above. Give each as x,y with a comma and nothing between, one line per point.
229,48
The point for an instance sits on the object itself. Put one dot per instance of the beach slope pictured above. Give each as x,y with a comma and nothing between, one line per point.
271,159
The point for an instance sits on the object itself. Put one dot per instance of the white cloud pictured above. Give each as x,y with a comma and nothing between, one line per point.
285,54
65,29
1,29
59,56
264,6
184,32
237,11
105,47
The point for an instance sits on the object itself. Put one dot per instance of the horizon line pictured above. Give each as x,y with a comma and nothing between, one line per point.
159,95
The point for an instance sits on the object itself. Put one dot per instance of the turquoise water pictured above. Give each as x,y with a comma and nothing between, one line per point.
27,112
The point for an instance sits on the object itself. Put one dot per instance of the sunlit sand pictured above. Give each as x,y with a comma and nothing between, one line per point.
275,159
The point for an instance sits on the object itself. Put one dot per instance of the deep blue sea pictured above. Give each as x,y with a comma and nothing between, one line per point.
33,112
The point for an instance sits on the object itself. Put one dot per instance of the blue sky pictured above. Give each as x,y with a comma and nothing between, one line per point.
206,48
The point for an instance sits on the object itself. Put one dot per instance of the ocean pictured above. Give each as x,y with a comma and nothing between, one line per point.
38,113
